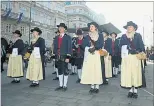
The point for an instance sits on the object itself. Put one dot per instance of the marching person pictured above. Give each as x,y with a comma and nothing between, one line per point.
115,53
107,59
63,51
56,62
35,70
132,48
15,64
91,70
80,53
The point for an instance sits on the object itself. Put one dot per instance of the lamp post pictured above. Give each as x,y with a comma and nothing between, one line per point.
30,20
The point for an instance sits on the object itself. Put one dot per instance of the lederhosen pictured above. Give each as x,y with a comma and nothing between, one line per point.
74,55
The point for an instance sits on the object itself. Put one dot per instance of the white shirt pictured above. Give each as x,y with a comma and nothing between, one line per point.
62,34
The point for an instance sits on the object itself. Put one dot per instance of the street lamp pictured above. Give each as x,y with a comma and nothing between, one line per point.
30,20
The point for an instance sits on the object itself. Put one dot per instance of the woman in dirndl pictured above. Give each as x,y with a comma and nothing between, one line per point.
15,64
131,45
91,70
35,66
107,59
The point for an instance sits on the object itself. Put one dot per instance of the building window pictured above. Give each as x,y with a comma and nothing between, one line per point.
74,25
8,28
22,29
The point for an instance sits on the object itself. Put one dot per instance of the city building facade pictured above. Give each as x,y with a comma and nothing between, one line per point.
25,15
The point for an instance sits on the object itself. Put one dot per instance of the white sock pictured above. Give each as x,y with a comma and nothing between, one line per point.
107,79
56,71
73,69
65,80
79,73
97,86
116,71
61,80
119,68
131,90
135,90
113,70
17,79
92,86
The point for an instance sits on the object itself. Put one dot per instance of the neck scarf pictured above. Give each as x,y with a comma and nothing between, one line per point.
94,35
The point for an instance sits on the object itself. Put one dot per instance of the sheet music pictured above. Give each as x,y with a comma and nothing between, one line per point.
15,52
37,52
124,51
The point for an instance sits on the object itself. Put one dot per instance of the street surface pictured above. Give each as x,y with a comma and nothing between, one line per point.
76,95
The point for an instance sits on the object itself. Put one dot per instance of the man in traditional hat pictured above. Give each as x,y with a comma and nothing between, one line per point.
15,65
80,53
131,45
115,54
63,51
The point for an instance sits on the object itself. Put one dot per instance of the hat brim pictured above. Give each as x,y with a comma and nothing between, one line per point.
39,31
62,26
17,33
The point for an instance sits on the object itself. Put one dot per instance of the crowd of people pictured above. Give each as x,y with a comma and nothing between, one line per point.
95,58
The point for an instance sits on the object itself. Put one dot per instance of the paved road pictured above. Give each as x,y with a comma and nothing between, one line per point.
77,94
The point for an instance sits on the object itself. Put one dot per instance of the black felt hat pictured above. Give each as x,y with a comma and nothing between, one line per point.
93,23
62,25
131,23
79,32
37,29
17,32
113,33
105,32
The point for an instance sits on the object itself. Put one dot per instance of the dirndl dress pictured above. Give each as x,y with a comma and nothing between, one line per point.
34,70
15,66
108,67
91,70
131,71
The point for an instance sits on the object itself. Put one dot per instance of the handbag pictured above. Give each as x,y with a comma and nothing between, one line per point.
103,52
141,56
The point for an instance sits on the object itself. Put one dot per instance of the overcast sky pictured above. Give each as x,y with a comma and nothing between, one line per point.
120,12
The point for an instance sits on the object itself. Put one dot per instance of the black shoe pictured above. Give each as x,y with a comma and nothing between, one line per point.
54,73
78,81
64,89
96,90
135,95
59,88
2,70
119,72
14,81
56,78
130,95
115,76
18,81
91,91
105,83
72,74
34,85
